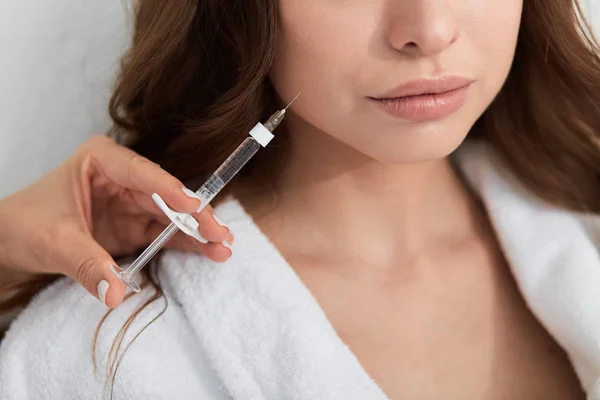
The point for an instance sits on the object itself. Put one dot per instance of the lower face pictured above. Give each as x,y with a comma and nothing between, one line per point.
367,70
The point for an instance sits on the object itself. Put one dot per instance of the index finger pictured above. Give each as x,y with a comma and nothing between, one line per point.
132,171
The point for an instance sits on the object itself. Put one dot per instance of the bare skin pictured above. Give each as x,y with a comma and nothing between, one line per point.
466,334
417,287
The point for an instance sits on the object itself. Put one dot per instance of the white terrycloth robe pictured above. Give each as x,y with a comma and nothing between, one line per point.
249,329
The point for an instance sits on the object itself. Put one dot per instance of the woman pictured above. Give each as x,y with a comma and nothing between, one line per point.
371,260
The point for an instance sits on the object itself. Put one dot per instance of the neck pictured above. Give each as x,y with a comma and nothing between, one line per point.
337,202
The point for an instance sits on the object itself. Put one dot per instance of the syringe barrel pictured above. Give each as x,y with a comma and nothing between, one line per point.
234,163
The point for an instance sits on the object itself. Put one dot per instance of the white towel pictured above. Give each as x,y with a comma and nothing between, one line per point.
250,329
246,329
553,256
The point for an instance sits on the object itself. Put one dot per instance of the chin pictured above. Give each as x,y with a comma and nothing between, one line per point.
415,147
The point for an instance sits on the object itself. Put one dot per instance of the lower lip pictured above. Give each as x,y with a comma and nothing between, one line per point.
424,107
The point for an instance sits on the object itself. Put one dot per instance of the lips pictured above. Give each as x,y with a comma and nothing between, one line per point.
426,86
424,100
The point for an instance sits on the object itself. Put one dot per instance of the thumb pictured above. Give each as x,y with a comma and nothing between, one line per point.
90,267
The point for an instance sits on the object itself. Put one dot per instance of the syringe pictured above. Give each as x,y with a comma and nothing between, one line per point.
260,135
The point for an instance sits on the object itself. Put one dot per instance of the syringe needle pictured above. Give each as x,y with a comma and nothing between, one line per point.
292,102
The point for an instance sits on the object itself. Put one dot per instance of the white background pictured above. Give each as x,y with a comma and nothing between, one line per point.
57,64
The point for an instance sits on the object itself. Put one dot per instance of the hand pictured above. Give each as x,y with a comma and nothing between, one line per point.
94,205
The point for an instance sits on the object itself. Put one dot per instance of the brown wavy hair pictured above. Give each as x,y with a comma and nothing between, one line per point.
195,81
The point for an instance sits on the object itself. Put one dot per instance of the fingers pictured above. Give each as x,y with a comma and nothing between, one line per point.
90,265
218,250
142,178
212,228
138,229
132,171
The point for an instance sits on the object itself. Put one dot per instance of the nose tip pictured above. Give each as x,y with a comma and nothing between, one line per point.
424,30
433,43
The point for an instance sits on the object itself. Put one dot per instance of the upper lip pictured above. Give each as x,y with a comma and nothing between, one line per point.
426,86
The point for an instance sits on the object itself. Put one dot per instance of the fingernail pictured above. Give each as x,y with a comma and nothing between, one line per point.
220,222
227,245
190,194
103,286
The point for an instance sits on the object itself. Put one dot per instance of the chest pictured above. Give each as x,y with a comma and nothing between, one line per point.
463,334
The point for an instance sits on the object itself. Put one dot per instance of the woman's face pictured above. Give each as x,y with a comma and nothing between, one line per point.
361,64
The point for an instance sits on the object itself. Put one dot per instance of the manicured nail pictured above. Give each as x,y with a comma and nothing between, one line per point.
220,222
227,245
102,289
190,194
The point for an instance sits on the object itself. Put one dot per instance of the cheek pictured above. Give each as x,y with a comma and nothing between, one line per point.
492,30
318,52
